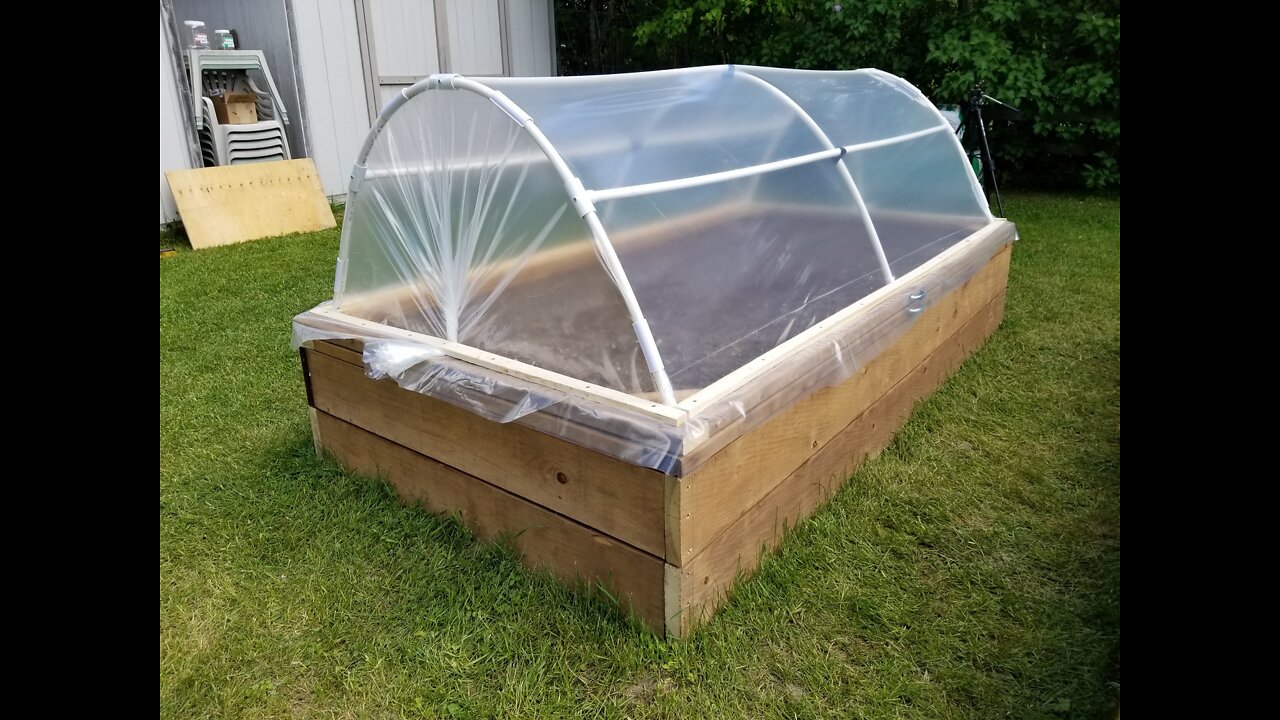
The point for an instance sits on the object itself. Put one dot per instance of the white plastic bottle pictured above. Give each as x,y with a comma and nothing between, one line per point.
225,40
199,37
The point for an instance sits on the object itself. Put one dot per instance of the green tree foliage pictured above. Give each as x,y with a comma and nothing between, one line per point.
599,36
1057,60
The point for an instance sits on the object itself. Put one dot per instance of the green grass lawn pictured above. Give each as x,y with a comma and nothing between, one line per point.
970,571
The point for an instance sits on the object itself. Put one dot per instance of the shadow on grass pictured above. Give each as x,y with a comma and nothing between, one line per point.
173,236
488,563
326,570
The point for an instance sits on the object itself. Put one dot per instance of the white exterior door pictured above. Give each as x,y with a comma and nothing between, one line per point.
403,41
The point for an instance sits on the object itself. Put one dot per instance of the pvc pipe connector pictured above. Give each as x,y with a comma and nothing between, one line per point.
442,81
357,177
579,196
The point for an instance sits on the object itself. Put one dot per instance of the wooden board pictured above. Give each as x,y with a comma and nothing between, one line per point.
612,434
612,496
724,487
699,587
550,379
569,549
235,203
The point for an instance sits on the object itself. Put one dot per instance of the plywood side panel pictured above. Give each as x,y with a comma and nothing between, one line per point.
543,538
705,580
614,497
235,203
724,487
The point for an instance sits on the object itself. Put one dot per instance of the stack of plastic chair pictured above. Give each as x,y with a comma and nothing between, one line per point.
208,146
255,142
221,144
216,82
221,71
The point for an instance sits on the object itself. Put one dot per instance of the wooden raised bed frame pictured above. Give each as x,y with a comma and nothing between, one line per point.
670,546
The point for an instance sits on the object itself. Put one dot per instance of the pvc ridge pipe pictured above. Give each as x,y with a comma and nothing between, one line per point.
838,152
630,191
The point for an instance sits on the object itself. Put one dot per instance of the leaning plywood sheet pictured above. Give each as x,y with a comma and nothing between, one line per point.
235,203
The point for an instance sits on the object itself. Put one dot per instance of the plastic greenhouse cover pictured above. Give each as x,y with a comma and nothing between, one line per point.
647,233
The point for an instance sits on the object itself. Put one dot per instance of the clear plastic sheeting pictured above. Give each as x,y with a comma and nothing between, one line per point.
836,356
633,437
647,233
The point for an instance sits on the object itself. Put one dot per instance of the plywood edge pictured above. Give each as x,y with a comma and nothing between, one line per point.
338,351
673,516
311,410
707,579
544,539
671,594
313,416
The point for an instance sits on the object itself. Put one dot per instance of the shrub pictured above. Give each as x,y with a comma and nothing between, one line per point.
1058,60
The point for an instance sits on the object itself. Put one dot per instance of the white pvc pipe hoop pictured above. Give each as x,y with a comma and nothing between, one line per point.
825,139
573,186
583,200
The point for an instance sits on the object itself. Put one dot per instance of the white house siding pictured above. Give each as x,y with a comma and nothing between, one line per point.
405,44
531,37
174,154
332,75
475,37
